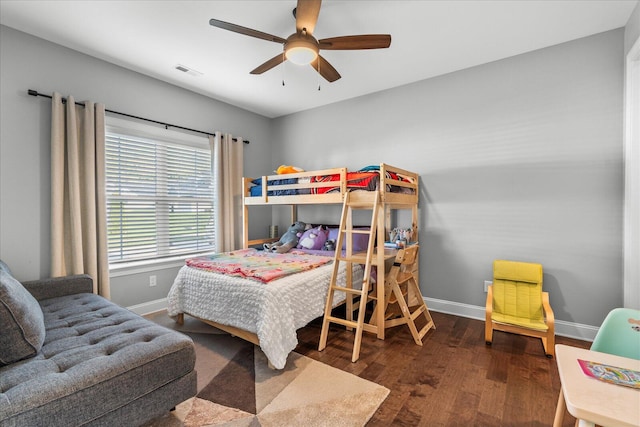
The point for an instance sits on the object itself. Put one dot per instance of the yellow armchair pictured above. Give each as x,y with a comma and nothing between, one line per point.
517,304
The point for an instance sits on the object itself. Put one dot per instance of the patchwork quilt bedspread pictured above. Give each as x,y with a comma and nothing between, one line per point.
262,266
273,312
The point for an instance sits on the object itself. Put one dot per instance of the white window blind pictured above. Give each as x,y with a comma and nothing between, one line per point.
159,198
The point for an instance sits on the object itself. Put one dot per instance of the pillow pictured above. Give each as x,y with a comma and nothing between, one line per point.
313,238
21,321
360,241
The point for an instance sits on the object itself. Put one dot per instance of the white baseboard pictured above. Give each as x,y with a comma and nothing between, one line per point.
565,329
149,307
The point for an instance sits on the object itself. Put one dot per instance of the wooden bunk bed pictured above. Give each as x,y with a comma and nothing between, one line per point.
397,189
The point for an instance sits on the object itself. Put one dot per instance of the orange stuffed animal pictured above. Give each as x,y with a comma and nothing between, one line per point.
284,169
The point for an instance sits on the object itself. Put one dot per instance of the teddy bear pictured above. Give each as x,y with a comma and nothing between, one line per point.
288,240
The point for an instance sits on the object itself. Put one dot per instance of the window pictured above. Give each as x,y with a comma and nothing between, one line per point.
159,194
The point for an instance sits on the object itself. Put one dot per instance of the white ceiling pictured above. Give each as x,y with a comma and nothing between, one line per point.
429,38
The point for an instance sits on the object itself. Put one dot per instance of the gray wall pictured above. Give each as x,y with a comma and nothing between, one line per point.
519,159
27,62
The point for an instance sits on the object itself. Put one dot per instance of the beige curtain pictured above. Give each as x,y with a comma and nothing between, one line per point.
78,211
226,164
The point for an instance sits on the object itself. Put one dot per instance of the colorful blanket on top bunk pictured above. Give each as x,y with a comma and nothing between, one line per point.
355,181
262,266
365,179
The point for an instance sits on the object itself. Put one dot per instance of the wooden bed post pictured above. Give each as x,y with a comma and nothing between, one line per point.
380,265
245,226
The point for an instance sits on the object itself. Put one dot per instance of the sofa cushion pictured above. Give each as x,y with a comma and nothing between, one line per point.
21,320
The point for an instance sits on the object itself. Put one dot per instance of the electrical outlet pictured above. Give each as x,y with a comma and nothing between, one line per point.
152,280
487,283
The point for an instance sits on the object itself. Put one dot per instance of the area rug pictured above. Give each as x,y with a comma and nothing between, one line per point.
236,388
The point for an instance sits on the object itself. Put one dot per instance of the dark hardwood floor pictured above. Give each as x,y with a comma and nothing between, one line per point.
454,379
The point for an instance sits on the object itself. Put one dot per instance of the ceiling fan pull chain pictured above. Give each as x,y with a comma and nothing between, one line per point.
284,66
318,75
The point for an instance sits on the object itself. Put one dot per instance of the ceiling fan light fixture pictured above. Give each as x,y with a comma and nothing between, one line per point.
301,48
300,55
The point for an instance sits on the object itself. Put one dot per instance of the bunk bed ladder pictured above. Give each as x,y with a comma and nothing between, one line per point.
353,201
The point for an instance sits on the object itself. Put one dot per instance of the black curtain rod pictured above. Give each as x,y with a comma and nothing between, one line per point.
166,125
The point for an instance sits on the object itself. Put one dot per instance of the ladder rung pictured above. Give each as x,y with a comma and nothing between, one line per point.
397,321
355,259
425,329
358,259
418,312
343,322
348,290
357,231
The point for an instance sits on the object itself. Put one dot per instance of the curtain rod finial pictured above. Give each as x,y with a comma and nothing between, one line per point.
32,92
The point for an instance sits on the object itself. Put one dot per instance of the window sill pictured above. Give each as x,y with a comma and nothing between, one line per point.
146,266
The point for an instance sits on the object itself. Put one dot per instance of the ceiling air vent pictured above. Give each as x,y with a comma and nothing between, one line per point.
188,70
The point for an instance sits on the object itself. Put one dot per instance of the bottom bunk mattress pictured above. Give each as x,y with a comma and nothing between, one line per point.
273,311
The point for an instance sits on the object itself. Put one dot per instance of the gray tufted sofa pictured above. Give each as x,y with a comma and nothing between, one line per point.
69,357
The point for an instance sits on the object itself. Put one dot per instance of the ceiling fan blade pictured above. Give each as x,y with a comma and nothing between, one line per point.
325,69
307,13
246,31
364,41
276,60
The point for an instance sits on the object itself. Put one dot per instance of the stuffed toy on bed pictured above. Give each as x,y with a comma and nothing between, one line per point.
284,169
314,238
288,240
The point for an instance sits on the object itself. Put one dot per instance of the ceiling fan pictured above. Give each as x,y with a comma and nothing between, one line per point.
302,48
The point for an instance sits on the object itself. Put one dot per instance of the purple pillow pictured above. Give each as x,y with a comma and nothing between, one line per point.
313,238
360,241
